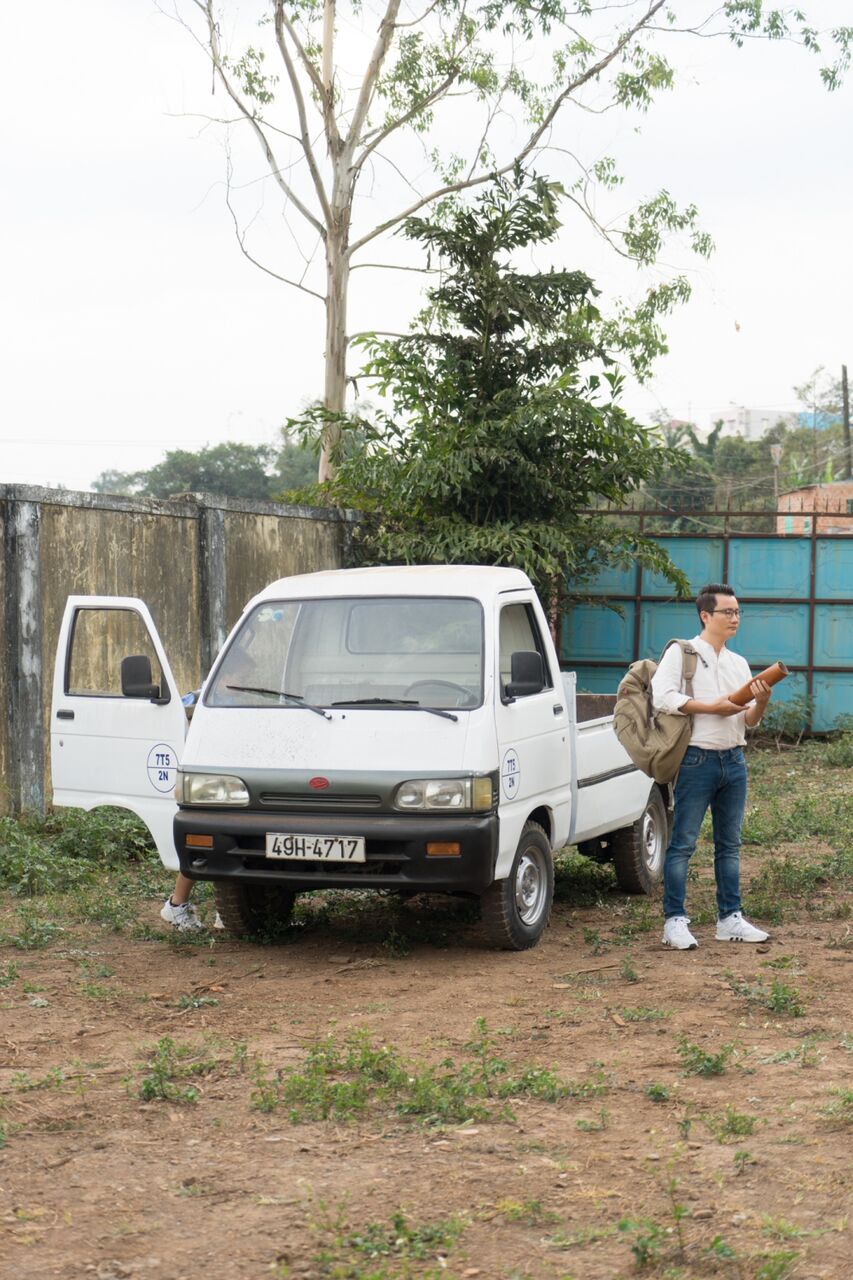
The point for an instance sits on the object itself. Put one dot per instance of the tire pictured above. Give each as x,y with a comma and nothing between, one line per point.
251,910
638,851
515,911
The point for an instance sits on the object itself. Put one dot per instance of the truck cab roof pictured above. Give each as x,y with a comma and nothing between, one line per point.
483,582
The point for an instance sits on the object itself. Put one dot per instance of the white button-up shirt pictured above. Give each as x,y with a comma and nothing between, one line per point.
716,675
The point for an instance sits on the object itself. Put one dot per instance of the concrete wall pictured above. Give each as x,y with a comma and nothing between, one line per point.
194,560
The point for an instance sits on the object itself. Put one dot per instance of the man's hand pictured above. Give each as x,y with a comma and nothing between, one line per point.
761,692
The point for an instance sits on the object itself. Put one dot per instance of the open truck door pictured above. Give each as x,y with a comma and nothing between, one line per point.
117,723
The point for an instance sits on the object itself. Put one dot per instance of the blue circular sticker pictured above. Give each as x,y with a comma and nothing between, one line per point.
162,767
510,774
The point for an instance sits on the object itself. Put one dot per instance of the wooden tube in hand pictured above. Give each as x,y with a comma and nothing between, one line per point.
772,675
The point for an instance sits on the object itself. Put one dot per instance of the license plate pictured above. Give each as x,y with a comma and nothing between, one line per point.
315,848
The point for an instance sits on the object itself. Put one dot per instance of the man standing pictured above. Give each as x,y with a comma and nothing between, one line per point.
713,772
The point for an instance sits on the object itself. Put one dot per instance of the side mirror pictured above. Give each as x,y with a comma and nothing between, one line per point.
527,674
136,681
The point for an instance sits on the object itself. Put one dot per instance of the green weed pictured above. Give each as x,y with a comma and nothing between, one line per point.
658,1092
166,1066
644,1014
196,1002
839,1112
530,1212
597,1125
341,1081
741,1159
23,1082
593,939
730,1124
778,1266
839,751
698,1062
34,930
393,1250
11,975
777,998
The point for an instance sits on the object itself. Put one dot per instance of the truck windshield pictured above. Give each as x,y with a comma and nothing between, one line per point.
377,653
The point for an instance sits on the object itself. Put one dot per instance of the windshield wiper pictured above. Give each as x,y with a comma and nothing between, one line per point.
396,702
295,698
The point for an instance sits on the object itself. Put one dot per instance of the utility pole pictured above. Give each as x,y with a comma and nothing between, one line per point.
845,418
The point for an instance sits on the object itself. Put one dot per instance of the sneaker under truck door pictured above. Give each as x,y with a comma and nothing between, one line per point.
117,723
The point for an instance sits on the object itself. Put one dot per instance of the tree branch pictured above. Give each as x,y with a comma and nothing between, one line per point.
214,51
453,188
241,240
377,58
305,138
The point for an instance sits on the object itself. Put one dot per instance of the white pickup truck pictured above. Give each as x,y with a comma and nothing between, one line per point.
393,728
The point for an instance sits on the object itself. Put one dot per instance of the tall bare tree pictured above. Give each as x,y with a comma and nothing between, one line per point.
354,85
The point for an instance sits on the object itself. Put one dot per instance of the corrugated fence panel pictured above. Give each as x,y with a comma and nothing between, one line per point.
773,632
665,621
833,698
594,633
614,581
834,579
700,558
770,567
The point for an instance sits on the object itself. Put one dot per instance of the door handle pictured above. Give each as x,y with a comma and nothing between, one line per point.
558,709
65,715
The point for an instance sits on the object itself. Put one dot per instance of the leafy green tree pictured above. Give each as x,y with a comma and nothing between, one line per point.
230,469
505,420
335,94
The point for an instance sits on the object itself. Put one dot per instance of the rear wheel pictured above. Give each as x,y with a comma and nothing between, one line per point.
515,911
638,851
248,910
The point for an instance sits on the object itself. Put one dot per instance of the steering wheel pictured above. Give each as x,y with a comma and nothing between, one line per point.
470,699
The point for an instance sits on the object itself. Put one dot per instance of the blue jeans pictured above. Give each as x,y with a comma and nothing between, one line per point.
715,779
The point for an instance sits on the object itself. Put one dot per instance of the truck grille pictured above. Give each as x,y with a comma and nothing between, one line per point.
320,800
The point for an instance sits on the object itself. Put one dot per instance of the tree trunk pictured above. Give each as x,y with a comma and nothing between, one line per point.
337,282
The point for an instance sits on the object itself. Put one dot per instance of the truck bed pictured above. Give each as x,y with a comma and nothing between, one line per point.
606,784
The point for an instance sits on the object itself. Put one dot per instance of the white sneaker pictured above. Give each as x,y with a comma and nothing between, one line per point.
735,928
184,916
677,935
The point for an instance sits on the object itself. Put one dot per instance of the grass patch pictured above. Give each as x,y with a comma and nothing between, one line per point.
838,1112
697,1061
778,998
343,1081
730,1125
398,1249
167,1067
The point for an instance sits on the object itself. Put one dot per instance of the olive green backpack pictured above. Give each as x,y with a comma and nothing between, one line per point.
656,742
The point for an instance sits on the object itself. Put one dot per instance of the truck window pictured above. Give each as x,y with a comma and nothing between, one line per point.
519,631
100,638
427,651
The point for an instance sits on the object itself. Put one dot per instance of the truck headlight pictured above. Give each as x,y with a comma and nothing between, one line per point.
210,788
448,794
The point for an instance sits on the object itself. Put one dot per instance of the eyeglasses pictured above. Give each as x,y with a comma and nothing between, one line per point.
730,613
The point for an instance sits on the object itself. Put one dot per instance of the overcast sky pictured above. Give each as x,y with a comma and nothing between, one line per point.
131,323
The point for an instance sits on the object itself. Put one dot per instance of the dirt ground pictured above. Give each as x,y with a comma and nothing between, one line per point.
97,1181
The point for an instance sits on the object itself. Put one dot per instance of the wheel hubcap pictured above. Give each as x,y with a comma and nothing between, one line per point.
652,840
530,887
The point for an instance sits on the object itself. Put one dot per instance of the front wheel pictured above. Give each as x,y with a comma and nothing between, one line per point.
638,851
516,910
249,910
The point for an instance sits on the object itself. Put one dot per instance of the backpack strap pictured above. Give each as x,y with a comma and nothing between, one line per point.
689,662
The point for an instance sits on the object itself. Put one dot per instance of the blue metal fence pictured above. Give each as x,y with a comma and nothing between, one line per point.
797,597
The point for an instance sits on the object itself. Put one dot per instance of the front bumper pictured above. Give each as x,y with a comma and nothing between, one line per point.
396,856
